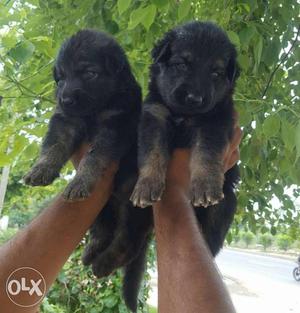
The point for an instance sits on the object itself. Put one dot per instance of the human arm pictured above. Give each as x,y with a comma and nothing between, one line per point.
46,243
188,280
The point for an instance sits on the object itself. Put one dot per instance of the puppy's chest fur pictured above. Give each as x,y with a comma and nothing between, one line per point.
93,122
184,128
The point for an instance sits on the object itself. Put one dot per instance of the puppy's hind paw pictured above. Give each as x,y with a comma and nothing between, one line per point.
147,191
41,175
77,189
90,253
104,265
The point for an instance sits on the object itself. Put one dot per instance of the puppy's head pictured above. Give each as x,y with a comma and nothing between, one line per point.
86,72
194,67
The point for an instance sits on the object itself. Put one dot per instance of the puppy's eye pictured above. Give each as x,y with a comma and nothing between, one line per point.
217,74
60,82
180,66
90,75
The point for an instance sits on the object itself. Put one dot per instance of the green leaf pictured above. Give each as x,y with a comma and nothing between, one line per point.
4,160
136,17
44,44
149,17
271,126
123,5
244,61
271,52
246,34
288,134
229,237
144,16
22,52
110,301
297,140
234,38
257,52
242,199
9,41
160,3
184,8
31,150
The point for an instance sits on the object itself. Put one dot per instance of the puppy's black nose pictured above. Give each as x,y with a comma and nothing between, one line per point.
67,101
193,99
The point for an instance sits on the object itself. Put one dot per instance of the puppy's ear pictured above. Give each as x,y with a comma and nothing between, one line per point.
115,61
162,51
233,70
55,75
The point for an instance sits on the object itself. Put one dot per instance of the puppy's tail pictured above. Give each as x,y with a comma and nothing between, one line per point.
133,275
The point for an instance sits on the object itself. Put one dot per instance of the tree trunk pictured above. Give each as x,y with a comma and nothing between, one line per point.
3,186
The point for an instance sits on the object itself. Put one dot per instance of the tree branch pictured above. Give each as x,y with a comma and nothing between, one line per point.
280,63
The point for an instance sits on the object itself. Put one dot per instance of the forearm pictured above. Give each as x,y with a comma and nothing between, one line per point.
188,280
46,243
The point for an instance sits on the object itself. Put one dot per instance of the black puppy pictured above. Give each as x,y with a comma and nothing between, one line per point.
99,101
190,105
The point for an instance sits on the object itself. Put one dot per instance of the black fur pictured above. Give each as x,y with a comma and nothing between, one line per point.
99,101
190,105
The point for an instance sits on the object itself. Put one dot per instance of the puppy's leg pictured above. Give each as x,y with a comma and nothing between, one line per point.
109,144
207,173
134,227
63,137
216,220
102,233
153,155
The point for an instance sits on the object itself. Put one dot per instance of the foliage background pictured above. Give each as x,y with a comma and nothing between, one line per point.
267,95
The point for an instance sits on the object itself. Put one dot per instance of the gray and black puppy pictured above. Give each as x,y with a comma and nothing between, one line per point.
190,105
99,101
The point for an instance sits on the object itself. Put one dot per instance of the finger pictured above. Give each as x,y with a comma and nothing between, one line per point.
231,151
236,139
235,156
226,153
236,118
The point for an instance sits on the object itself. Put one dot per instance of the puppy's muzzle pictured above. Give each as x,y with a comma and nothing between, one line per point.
192,99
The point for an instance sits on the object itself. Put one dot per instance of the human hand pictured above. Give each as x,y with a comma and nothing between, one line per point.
231,153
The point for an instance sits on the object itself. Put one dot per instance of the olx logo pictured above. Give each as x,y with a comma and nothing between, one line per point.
26,287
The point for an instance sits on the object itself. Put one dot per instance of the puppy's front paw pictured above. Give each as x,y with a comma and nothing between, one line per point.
42,174
206,191
147,191
78,189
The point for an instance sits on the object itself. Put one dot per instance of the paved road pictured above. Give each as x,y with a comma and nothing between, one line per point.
260,283
276,269
257,284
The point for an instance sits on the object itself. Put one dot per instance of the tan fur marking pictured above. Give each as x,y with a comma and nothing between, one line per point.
158,111
154,165
220,63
